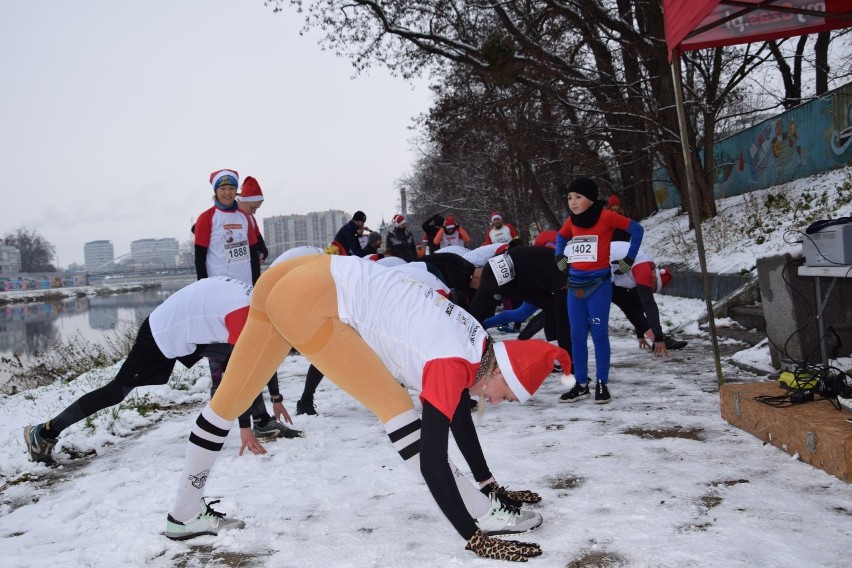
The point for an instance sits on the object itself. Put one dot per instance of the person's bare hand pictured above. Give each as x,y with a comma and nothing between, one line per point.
643,343
660,349
249,441
280,412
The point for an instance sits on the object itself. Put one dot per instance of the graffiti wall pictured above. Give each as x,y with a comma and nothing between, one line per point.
809,139
42,281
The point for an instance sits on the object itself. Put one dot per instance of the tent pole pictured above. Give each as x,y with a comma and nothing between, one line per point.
696,212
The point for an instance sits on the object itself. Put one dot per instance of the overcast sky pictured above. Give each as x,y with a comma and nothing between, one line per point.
114,114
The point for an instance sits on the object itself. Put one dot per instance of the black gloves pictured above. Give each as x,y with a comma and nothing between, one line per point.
623,265
562,263
497,549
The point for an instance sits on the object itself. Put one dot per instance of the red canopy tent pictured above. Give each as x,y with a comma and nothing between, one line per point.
697,24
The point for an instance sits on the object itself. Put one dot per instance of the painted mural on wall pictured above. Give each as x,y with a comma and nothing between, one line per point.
42,281
809,139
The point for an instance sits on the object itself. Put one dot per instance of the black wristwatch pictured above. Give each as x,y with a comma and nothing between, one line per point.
277,398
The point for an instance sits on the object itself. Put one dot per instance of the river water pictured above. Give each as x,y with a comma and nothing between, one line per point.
27,329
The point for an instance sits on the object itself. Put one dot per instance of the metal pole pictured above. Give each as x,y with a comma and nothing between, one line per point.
696,212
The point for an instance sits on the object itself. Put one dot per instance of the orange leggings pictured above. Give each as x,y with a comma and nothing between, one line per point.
294,304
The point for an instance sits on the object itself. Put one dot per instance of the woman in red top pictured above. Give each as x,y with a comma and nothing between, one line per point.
583,242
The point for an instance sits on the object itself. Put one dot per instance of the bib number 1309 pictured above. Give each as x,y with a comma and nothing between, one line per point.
503,268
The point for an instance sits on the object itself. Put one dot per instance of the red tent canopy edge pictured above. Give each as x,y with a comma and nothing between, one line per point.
697,24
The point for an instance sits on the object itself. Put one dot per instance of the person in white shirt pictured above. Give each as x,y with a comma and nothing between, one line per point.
352,319
202,319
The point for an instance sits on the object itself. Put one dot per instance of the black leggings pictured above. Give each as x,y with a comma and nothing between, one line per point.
145,365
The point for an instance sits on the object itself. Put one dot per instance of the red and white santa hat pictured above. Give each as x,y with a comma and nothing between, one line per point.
398,219
449,222
525,364
251,190
663,278
496,215
223,177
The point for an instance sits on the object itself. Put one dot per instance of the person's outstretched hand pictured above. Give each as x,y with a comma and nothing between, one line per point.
280,412
497,549
250,441
660,349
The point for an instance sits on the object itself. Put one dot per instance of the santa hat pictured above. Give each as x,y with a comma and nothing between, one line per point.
613,201
398,219
222,177
525,364
663,278
251,190
449,223
496,215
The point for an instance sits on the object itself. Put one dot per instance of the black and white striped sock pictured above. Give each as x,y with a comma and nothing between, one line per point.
206,439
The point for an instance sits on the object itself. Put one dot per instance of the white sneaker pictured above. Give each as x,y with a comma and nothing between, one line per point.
506,519
207,521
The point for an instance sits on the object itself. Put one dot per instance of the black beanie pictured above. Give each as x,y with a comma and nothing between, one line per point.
585,187
359,216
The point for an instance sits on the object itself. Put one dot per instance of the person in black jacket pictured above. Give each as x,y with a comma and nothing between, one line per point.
431,226
457,272
399,240
349,234
374,244
527,273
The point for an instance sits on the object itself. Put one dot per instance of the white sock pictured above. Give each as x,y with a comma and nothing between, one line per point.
207,437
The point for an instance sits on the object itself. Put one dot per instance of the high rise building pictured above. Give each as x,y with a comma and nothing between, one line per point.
10,260
155,253
283,232
99,256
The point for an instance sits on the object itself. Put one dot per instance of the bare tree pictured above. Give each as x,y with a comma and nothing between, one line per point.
36,252
596,69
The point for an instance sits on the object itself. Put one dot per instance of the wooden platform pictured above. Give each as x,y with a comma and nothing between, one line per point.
815,430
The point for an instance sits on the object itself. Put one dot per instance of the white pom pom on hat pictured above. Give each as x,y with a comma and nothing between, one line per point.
569,381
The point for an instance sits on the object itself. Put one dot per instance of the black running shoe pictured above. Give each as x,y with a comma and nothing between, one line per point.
673,344
39,447
579,392
307,407
601,394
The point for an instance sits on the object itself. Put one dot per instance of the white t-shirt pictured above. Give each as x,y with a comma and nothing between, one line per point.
419,335
617,251
391,261
420,271
296,252
480,255
477,257
227,236
212,310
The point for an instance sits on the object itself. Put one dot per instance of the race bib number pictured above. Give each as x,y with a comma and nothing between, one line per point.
503,268
582,249
237,252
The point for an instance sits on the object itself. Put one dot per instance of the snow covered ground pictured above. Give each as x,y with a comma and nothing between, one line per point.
655,479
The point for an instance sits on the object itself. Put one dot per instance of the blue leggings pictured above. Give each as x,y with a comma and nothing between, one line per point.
590,313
